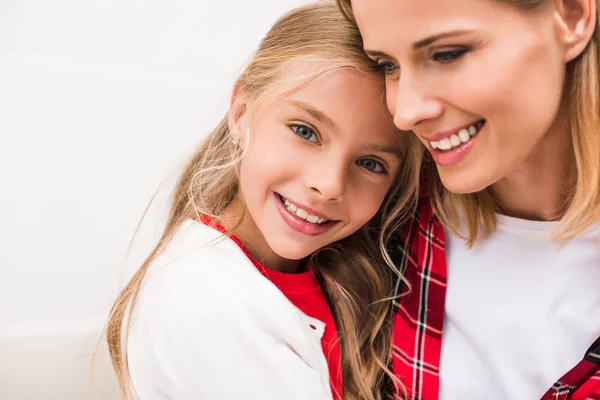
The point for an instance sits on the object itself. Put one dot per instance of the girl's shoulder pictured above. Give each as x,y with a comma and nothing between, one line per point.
203,272
202,257
203,305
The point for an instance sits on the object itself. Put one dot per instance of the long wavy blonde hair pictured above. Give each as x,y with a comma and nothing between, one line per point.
581,208
355,273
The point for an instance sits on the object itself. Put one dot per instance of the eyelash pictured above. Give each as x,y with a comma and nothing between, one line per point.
448,56
383,170
383,67
442,57
295,127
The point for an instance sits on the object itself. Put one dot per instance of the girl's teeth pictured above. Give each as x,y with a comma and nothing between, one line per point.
444,144
455,140
301,213
472,130
313,219
464,135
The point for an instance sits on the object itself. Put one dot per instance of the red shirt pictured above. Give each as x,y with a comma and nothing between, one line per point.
419,318
303,291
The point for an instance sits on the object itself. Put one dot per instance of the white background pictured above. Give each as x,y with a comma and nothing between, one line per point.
100,102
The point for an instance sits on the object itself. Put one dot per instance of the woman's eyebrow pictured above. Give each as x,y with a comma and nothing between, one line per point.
421,43
433,38
376,53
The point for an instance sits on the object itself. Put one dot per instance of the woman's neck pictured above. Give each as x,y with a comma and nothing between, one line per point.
249,234
539,188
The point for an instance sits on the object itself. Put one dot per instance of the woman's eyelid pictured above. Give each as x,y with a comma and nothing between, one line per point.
448,48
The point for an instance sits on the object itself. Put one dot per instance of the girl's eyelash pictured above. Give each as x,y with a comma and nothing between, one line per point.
312,133
297,127
384,169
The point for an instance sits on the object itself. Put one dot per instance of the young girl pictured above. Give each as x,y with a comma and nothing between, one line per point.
505,261
266,233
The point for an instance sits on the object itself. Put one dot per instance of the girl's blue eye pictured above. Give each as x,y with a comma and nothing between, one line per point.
304,132
372,165
446,57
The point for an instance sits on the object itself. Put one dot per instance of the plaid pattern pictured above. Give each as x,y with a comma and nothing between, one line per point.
419,318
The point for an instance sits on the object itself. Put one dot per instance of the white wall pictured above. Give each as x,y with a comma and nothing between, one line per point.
100,100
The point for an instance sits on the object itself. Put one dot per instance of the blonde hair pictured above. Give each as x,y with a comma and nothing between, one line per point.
581,208
355,273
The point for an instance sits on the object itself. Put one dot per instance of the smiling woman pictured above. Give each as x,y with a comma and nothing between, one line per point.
269,278
505,95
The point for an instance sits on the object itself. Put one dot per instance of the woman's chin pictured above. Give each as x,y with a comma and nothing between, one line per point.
463,183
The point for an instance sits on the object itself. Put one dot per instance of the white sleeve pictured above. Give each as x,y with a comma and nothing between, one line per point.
219,335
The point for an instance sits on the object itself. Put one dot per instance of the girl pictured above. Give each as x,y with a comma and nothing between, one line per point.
505,95
266,232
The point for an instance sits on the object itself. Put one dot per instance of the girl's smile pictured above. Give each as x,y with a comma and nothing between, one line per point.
301,218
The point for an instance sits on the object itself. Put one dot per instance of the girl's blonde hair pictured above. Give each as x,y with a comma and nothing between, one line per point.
581,208
356,273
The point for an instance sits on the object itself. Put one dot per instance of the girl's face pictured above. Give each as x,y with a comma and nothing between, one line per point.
319,163
478,81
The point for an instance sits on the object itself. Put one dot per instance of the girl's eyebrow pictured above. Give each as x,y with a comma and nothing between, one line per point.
315,113
384,148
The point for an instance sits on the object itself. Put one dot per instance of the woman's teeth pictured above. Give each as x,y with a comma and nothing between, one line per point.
463,136
303,214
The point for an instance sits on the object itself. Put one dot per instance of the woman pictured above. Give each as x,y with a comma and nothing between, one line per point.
504,262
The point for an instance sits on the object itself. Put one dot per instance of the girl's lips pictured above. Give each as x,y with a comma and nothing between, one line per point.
307,209
297,223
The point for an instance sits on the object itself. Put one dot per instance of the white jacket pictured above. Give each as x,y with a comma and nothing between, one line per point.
209,325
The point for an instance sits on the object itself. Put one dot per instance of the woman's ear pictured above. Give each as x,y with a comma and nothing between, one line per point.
236,117
576,22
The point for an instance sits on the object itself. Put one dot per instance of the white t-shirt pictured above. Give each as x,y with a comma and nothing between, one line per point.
520,311
209,325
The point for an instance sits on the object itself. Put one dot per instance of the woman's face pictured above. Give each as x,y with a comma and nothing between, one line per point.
478,81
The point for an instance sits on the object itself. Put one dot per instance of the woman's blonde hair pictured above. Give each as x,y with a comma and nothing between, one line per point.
356,273
581,208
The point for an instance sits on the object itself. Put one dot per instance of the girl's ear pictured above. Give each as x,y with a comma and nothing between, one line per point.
576,22
236,117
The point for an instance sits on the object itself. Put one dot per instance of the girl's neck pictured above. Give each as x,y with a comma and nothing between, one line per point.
247,232
538,189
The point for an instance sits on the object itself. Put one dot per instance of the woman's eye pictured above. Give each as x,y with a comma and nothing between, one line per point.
372,165
388,68
304,132
448,56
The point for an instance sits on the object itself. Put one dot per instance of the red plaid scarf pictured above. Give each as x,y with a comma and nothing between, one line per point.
419,319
